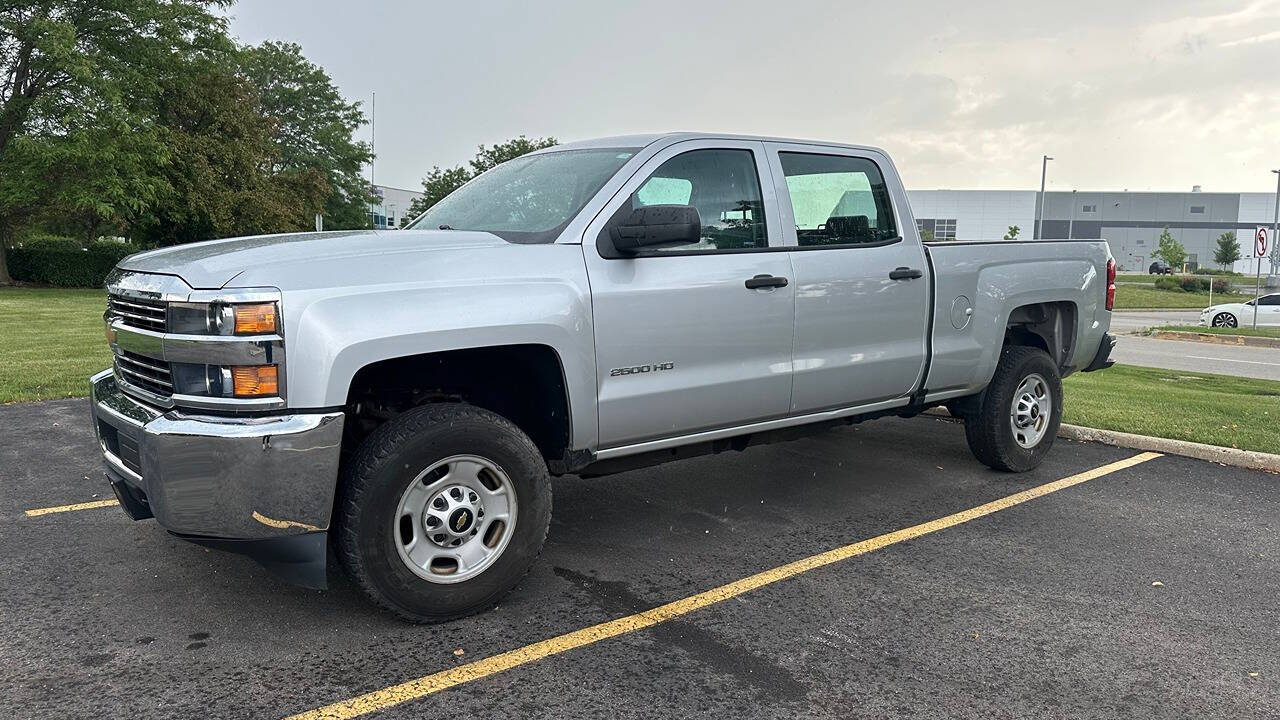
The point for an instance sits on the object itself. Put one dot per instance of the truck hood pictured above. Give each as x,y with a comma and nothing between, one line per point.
214,264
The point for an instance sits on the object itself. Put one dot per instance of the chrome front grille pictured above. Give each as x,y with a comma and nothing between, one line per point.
146,373
138,313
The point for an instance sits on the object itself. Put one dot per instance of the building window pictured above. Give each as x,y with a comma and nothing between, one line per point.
1141,242
944,229
1089,208
1197,209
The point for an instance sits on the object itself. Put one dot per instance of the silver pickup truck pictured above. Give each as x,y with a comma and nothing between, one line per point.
406,396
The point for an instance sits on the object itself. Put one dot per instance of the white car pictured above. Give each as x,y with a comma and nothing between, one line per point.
1241,314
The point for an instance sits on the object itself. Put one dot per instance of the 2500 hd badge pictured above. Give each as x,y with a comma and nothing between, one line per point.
636,370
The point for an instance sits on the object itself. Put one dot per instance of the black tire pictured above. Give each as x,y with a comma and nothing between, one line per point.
369,496
989,430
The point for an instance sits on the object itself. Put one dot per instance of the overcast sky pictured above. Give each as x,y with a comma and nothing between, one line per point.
1124,94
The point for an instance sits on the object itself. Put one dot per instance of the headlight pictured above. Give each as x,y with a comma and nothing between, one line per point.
223,318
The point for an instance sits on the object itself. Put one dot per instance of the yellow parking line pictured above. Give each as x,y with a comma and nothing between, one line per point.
421,687
68,508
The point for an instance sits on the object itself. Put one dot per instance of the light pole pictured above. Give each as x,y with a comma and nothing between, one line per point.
1071,223
1044,169
1275,226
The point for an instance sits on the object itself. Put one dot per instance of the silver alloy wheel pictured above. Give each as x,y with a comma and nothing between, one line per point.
455,519
1224,320
1030,411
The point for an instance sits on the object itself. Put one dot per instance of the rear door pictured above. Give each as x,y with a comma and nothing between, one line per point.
861,281
1269,310
694,337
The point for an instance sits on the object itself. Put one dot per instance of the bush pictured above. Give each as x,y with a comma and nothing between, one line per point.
1188,283
1222,273
64,262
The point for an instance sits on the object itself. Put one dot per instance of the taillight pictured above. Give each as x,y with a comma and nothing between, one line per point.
1111,283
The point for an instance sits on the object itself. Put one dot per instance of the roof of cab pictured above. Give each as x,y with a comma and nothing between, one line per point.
643,140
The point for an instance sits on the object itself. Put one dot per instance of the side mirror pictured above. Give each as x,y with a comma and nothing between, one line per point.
656,226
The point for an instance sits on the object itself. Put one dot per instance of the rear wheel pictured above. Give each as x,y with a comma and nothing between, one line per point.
1018,416
442,511
1224,320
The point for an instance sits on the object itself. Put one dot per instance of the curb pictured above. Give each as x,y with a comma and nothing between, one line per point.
1248,459
1243,340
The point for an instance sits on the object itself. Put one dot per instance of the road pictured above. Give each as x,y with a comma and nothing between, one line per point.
1146,591
1132,321
1241,361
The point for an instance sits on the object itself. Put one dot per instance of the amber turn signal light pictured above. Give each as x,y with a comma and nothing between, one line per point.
255,380
255,319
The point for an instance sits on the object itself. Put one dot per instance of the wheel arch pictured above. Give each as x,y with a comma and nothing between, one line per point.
524,383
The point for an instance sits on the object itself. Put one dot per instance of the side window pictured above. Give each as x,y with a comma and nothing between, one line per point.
722,185
1269,300
837,200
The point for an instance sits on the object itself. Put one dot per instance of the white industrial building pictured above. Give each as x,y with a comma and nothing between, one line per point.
1130,221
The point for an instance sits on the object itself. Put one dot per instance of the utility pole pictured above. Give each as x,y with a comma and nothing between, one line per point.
373,144
1044,169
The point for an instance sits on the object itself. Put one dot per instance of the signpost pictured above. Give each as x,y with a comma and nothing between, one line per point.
1259,251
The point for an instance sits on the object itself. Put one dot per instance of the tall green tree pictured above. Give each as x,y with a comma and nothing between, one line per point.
1170,250
439,182
314,127
1228,250
76,79
1012,234
224,176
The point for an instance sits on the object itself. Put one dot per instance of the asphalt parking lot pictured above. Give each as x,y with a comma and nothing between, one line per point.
1048,608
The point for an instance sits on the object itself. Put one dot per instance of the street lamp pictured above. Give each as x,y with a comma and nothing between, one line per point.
1275,226
1044,169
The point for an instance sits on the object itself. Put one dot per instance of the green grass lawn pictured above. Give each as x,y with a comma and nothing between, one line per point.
1268,332
1214,409
1133,296
51,341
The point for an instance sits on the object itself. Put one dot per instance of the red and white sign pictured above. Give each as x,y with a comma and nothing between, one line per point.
1260,241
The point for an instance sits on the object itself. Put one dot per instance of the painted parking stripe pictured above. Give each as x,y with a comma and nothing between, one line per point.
430,684
69,508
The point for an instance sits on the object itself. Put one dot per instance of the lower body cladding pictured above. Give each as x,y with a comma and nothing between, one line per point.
261,486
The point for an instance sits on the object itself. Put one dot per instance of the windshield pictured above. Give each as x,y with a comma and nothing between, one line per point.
529,199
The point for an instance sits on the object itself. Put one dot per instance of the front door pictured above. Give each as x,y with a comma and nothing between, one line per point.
698,336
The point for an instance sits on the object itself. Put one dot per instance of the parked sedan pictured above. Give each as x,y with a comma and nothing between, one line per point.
1237,314
1159,268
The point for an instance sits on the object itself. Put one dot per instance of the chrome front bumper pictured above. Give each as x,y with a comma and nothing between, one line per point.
218,477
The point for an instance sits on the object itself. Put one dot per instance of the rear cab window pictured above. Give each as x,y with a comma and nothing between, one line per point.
838,201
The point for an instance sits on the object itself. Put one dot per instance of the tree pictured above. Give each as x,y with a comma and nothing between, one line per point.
1170,250
1013,232
313,126
440,182
926,235
225,176
1228,250
75,79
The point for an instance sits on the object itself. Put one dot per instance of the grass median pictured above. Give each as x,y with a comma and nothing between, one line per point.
1214,409
1267,332
52,342
1129,297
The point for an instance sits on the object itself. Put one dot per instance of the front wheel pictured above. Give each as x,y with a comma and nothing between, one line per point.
1224,320
1020,411
442,511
